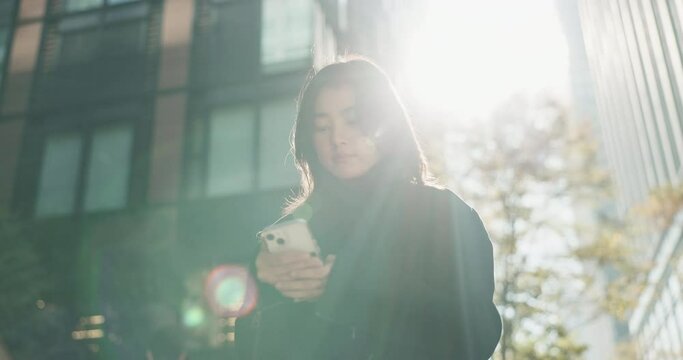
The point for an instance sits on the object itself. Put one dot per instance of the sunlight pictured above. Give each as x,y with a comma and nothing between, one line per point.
467,57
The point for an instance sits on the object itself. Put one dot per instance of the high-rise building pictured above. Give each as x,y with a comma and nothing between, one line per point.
598,333
634,49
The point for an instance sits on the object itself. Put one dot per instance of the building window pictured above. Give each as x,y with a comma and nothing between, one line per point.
106,171
231,151
4,40
241,148
286,34
324,40
109,169
59,175
78,38
276,164
225,41
195,156
6,17
80,5
113,31
679,315
673,333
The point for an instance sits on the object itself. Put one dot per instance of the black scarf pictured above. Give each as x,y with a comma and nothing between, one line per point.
343,211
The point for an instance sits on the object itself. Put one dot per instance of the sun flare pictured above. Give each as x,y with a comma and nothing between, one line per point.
469,56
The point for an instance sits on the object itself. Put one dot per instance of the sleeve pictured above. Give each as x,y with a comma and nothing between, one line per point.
444,270
473,265
249,325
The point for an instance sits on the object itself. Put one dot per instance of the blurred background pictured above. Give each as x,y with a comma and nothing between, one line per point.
143,143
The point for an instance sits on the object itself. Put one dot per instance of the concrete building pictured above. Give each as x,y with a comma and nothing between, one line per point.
634,49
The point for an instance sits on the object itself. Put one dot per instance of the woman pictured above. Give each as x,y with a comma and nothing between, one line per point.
408,267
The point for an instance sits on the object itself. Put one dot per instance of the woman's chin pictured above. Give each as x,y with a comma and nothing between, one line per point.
351,169
347,173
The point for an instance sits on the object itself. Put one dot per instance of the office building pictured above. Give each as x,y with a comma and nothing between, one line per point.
143,142
634,49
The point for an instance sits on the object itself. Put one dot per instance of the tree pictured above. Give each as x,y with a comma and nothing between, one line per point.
661,206
630,266
525,169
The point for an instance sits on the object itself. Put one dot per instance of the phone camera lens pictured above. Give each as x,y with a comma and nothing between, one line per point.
280,241
270,237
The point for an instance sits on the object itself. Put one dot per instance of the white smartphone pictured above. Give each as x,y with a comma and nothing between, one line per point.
289,235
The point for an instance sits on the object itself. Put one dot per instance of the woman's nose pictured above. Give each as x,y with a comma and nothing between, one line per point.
340,135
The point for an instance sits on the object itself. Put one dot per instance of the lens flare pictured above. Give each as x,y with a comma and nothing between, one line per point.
193,316
230,291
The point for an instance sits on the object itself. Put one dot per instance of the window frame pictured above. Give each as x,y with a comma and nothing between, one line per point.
41,173
86,133
86,188
196,155
10,25
290,64
101,22
252,166
203,60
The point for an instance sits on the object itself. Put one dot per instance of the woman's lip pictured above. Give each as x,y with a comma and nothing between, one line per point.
343,157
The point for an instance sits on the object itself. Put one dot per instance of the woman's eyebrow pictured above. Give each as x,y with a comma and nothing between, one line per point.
343,111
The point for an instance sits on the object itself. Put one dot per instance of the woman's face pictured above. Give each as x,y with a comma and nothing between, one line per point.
342,147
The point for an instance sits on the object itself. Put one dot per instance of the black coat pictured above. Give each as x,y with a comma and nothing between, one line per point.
413,279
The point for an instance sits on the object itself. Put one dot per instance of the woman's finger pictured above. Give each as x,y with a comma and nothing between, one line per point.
319,272
281,258
276,274
299,285
293,257
270,273
284,271
272,278
315,272
300,295
274,262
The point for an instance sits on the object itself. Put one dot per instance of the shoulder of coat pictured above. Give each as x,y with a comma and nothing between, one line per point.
442,196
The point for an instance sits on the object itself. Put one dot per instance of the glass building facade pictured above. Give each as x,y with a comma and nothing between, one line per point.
635,49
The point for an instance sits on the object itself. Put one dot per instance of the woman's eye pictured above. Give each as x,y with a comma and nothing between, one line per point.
321,128
350,117
352,121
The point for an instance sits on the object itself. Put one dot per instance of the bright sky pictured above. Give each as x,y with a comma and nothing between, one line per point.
469,56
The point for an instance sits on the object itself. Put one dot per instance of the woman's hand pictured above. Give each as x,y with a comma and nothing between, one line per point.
295,274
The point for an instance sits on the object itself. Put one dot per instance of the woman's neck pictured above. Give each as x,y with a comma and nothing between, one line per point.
358,189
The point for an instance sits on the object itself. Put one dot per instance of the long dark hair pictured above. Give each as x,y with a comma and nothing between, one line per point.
382,117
